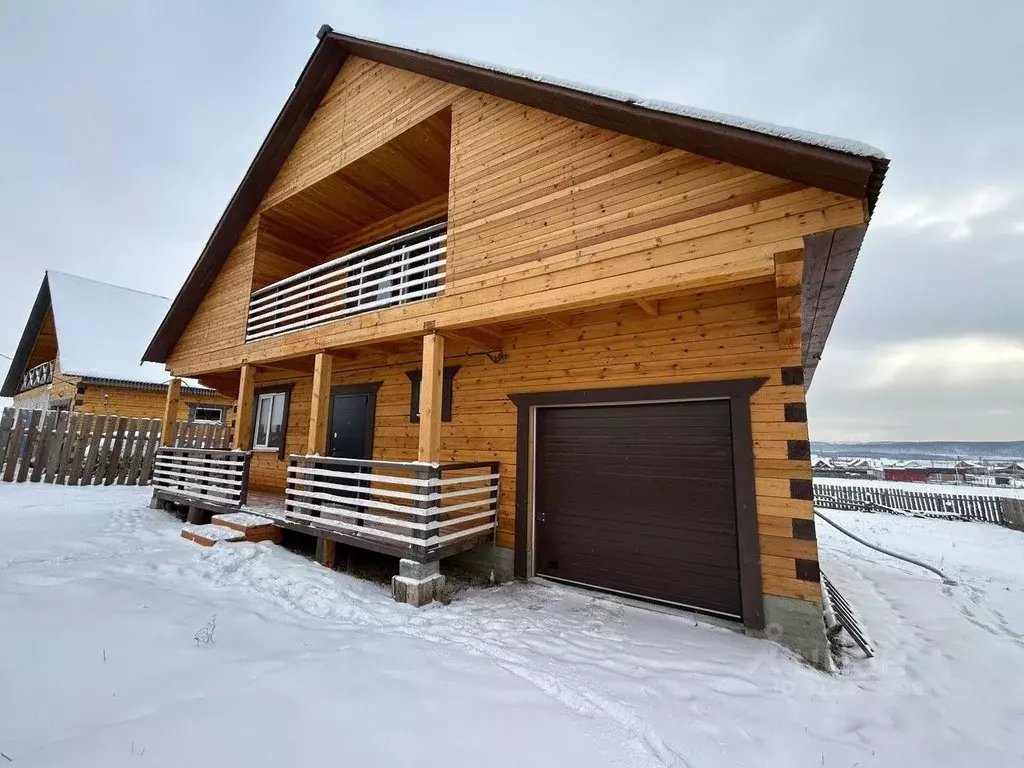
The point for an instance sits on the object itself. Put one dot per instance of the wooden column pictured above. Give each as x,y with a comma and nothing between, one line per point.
170,413
320,407
430,398
243,410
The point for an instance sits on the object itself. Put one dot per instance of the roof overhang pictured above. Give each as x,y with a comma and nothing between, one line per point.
854,175
28,340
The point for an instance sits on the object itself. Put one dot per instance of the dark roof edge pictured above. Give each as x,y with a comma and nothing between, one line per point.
28,340
830,169
310,87
148,385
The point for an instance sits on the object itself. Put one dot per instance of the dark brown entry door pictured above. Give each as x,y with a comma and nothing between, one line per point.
640,500
348,437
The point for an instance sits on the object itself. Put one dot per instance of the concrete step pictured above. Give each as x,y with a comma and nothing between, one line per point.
252,527
208,535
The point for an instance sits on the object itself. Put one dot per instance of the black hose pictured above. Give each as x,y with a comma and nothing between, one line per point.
884,551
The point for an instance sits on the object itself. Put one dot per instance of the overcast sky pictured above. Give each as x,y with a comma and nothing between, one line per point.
125,128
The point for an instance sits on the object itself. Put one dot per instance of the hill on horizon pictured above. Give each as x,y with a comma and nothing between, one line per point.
930,449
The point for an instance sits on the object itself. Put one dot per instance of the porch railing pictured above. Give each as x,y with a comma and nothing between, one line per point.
214,478
407,268
37,375
409,509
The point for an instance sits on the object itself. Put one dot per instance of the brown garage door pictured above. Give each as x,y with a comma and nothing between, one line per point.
639,499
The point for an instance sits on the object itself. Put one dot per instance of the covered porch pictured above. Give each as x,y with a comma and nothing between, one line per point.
308,455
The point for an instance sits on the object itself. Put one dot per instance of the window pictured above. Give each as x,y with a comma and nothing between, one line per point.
416,378
270,420
206,414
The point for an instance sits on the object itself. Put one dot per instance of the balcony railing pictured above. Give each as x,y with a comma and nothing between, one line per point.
37,376
409,509
407,268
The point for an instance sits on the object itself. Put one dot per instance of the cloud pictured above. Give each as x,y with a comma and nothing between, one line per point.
966,360
957,217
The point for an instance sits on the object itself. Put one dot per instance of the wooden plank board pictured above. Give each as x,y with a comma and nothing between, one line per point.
99,428
31,435
145,426
6,427
14,446
67,449
114,455
41,452
56,446
130,439
146,468
77,460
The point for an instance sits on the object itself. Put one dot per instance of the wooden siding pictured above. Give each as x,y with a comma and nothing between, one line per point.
142,403
546,214
730,333
368,105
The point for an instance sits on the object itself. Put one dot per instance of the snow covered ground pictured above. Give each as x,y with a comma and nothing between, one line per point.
122,644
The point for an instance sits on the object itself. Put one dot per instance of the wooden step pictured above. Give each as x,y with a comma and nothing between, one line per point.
252,527
208,535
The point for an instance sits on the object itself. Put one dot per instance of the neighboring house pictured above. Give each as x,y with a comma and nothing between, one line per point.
81,350
618,302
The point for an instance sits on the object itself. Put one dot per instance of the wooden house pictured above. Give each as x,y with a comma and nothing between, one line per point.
604,310
81,351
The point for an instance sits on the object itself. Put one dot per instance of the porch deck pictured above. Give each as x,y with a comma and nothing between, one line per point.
413,510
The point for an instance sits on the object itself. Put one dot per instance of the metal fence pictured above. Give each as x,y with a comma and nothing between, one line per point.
90,449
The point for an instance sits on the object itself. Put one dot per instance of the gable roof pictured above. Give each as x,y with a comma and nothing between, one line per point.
101,332
834,164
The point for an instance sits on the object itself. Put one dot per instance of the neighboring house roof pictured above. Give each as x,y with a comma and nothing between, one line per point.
838,165
101,329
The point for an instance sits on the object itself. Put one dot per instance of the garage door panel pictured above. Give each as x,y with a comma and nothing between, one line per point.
640,499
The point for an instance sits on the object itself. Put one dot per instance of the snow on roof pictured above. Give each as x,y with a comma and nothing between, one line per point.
103,329
825,141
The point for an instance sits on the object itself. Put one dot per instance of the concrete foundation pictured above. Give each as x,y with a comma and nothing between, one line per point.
798,625
197,515
484,560
417,583
156,503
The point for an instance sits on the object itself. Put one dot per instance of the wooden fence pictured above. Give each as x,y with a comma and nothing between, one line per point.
929,503
90,449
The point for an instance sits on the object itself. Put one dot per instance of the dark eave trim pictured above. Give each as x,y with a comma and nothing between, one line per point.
309,90
28,340
844,173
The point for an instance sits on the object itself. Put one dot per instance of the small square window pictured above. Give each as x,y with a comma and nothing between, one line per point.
206,414
416,378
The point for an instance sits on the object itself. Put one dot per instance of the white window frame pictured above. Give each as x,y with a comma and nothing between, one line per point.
268,397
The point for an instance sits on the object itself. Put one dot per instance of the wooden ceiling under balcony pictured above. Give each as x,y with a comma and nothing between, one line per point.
378,194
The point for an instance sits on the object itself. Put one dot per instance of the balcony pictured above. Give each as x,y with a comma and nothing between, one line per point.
403,269
37,376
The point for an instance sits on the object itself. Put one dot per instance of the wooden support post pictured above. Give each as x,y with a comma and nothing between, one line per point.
170,413
430,398
243,411
319,408
789,270
325,551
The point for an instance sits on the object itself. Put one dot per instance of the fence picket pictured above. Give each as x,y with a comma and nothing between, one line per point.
78,456
126,453
6,426
68,447
40,455
53,455
14,446
146,470
138,449
29,444
114,454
